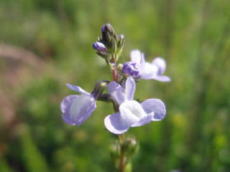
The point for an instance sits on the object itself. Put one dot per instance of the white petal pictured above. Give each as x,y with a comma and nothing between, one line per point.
148,71
137,57
160,63
145,120
131,112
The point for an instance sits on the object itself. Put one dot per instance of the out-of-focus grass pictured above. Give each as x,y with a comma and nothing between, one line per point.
193,36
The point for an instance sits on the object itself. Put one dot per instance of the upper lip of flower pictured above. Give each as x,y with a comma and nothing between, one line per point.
121,94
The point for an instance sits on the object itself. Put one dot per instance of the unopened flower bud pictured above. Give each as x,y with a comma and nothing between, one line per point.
130,146
99,88
109,45
115,151
108,36
107,28
120,44
120,40
99,47
120,67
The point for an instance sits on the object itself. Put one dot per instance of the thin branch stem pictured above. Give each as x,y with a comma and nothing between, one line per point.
122,160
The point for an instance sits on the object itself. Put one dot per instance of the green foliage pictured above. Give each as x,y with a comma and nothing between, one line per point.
193,36
32,158
3,166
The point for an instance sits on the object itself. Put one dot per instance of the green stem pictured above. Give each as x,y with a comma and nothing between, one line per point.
122,161
122,158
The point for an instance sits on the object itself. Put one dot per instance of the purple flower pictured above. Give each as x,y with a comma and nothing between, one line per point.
139,69
77,108
131,113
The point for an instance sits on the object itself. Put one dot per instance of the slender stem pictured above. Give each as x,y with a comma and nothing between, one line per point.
115,73
122,160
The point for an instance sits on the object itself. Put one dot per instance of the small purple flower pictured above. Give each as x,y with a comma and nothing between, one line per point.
139,69
131,113
77,108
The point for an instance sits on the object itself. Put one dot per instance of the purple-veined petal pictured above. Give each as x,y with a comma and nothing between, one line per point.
137,57
161,64
66,102
115,124
116,91
131,112
155,107
77,108
77,89
130,88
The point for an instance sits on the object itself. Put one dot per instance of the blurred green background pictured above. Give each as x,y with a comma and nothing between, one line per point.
47,43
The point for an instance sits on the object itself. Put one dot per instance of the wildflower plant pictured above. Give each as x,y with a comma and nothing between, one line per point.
120,91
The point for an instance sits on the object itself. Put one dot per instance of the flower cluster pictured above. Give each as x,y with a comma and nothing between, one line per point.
120,91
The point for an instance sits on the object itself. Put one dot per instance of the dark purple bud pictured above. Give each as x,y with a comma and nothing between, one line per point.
107,28
99,88
103,28
108,35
